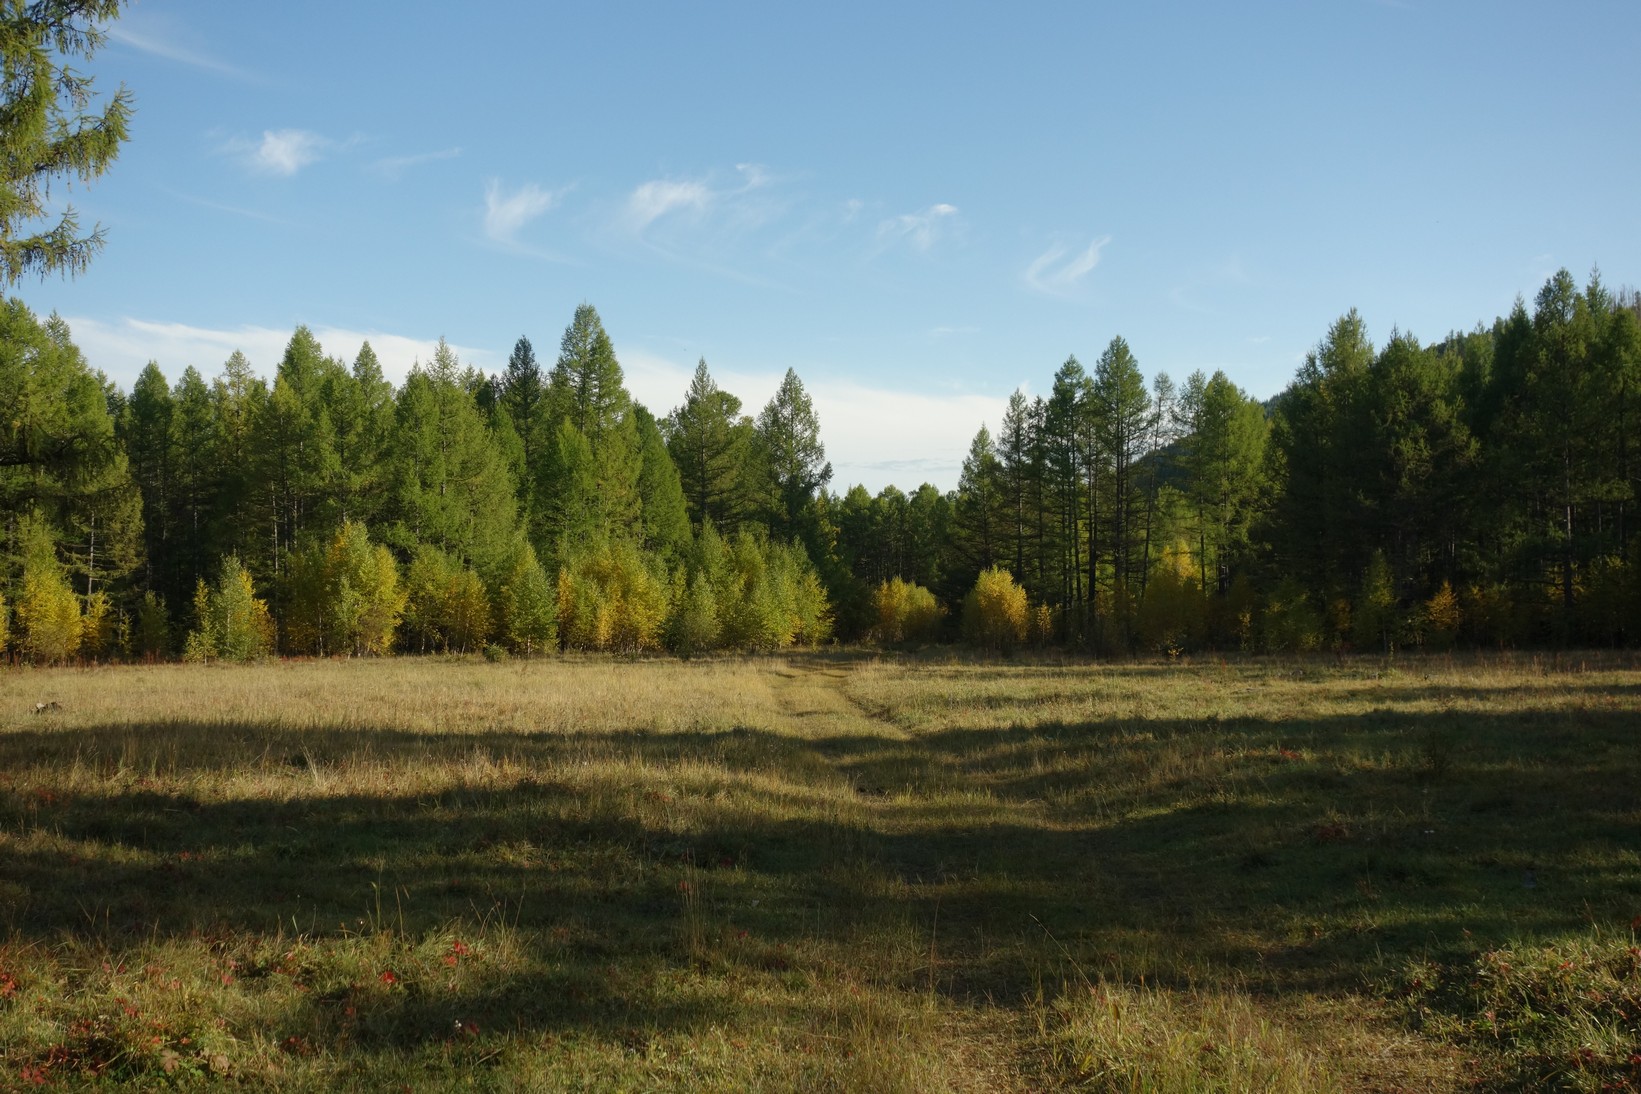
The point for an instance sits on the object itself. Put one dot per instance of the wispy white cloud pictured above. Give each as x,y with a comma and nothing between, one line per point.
156,37
921,229
280,151
948,332
730,203
655,199
1058,272
395,166
121,347
506,213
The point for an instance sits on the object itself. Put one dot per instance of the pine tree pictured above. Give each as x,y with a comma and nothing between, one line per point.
295,460
237,397
1014,455
1123,415
59,453
524,398
196,485
360,405
148,433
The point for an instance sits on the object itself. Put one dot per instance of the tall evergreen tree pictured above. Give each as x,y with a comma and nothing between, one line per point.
661,494
149,438
1122,411
450,488
979,516
360,406
1065,460
196,486
1014,453
524,399
237,396
585,389
60,458
710,441
794,461
1222,453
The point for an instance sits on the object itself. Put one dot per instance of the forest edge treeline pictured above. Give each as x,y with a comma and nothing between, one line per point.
1478,491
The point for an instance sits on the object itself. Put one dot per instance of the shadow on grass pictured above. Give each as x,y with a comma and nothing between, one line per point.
1277,851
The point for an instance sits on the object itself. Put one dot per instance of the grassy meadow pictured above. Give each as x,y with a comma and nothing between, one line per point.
824,872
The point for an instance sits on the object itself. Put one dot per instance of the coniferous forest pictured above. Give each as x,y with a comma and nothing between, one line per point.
1478,491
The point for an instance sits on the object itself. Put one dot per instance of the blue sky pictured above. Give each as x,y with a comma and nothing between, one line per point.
919,207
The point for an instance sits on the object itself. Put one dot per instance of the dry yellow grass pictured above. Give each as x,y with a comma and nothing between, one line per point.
816,872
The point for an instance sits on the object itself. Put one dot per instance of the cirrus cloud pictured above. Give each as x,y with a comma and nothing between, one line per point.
922,229
506,213
1055,274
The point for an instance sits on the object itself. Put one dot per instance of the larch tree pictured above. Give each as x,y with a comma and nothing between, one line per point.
664,514
1014,454
145,427
359,403
585,389
793,457
1121,408
979,517
196,484
50,131
523,397
709,439
449,485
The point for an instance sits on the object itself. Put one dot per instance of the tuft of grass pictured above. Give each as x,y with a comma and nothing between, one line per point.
1564,1014
1127,1039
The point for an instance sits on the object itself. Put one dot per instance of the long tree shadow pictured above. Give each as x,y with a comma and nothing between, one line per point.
1245,844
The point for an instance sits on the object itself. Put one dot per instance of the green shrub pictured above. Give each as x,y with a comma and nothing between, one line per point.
526,606
234,625
1291,624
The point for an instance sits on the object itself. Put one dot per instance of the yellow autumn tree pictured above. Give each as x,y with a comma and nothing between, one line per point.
446,606
1173,614
610,599
995,615
1442,617
905,612
48,613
